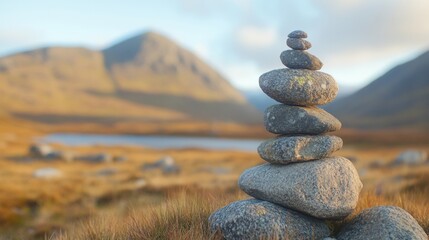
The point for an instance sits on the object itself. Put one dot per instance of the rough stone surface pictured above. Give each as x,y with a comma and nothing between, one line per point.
326,189
385,222
298,44
297,34
285,150
298,59
256,219
299,87
284,119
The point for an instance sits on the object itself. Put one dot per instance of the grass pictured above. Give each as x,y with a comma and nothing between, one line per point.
82,205
182,216
185,212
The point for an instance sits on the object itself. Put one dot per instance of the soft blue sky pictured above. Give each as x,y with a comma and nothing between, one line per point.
356,39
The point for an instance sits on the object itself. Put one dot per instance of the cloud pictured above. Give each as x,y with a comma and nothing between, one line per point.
342,32
10,36
372,29
11,39
204,8
256,37
255,43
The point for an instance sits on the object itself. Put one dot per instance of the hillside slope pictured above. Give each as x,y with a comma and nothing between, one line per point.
144,78
398,99
152,63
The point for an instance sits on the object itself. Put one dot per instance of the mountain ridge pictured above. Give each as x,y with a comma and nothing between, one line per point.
397,99
152,79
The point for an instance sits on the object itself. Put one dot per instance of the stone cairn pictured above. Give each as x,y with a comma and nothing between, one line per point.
301,186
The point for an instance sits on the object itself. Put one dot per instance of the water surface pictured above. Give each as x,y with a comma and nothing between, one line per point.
153,141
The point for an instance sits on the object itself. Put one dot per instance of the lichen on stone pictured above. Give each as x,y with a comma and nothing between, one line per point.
301,80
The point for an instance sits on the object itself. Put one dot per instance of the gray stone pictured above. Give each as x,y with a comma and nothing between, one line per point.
327,188
171,169
47,173
96,158
297,34
166,164
106,172
285,150
284,119
160,163
385,222
411,157
299,87
298,59
298,44
255,219
40,150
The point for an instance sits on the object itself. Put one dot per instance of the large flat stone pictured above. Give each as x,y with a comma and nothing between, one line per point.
285,150
299,86
326,189
285,119
256,219
385,222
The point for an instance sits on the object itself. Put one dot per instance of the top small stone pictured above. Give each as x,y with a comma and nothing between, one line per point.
297,34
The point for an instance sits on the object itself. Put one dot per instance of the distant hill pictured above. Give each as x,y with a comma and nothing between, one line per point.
144,78
398,99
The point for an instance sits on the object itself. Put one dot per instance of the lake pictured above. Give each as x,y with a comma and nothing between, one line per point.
153,141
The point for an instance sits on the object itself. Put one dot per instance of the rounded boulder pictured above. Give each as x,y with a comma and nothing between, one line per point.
299,86
256,219
327,188
384,222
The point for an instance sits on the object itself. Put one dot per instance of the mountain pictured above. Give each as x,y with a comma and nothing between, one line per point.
144,78
398,99
170,68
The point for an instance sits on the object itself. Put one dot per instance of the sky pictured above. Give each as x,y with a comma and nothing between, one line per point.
357,40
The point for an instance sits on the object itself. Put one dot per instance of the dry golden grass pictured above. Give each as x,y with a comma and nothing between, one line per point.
184,215
33,208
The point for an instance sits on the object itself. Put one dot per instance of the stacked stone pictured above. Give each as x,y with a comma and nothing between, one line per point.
301,185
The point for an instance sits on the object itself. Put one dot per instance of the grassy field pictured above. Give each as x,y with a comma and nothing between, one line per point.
131,203
184,214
